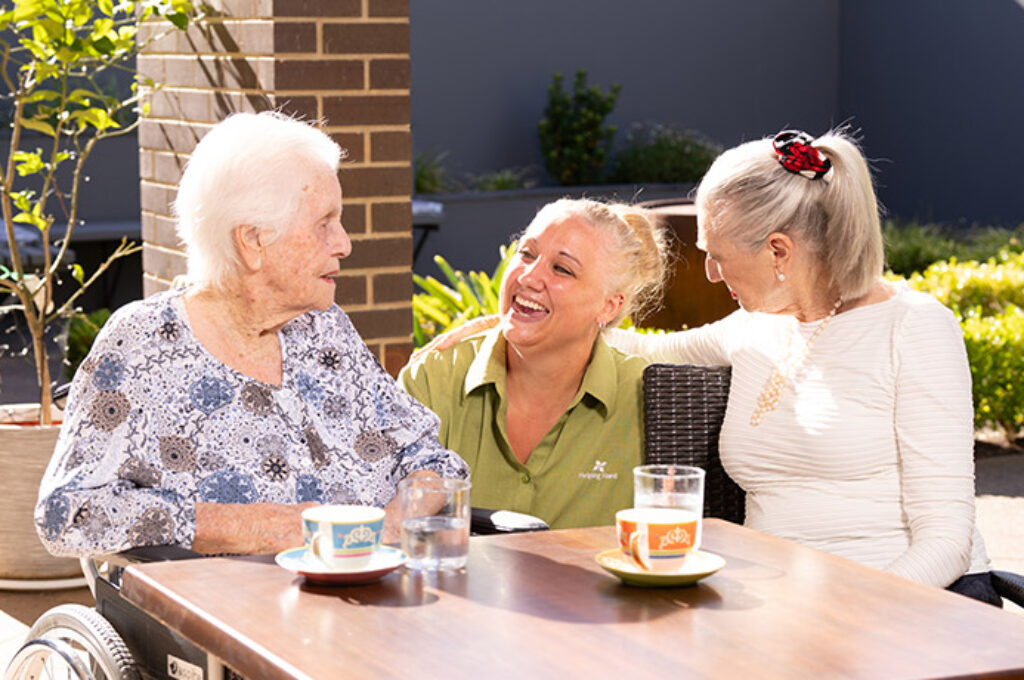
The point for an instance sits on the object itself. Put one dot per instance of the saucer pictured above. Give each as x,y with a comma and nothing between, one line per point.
698,565
299,560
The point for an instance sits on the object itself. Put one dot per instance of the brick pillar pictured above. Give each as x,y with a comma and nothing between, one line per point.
344,62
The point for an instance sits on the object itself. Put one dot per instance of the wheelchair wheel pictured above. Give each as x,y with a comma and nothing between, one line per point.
72,641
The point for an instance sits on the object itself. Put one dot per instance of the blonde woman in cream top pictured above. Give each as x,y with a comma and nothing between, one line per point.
868,453
849,422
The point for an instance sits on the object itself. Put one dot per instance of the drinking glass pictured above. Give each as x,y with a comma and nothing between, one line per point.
670,486
435,522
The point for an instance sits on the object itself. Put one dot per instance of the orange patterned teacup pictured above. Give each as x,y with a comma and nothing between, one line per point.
658,539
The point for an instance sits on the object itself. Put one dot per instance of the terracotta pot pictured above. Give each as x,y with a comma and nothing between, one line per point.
25,451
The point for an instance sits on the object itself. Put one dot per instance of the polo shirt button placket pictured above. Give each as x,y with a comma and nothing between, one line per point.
526,478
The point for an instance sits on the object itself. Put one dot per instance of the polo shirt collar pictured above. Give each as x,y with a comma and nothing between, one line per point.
488,366
600,381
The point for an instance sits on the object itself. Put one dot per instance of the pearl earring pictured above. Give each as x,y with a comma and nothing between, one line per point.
782,277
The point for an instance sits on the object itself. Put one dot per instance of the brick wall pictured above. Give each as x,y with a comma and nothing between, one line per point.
344,62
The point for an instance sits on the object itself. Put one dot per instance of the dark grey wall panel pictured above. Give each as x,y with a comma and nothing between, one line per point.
732,69
938,88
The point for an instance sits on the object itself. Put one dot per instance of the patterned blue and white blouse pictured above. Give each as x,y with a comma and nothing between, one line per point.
155,424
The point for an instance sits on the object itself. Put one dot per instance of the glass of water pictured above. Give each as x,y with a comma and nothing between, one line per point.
435,522
670,486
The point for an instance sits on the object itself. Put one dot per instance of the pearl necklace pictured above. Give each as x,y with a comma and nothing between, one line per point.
772,392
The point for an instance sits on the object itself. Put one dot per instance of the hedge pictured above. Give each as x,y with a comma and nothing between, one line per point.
988,300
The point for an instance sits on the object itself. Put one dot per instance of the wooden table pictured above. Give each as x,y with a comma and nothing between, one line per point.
538,606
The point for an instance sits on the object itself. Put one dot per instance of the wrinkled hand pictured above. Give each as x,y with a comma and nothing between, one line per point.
248,529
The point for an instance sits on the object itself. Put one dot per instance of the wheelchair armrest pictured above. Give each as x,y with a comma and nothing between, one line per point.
159,553
485,521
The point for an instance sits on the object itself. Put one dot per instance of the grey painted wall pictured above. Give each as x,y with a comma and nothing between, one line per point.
732,69
937,87
933,85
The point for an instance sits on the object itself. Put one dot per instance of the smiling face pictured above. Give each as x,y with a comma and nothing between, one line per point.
552,294
301,264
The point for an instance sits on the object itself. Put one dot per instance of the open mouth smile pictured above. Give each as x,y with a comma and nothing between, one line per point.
528,308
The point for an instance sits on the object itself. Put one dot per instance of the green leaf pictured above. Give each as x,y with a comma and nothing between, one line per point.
82,96
446,269
106,7
28,162
40,95
179,19
38,126
104,45
23,199
30,218
27,9
78,273
440,291
96,117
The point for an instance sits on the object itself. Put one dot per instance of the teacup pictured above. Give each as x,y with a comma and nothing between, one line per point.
658,539
344,537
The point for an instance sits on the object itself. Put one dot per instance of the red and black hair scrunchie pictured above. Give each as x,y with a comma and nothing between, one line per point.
798,156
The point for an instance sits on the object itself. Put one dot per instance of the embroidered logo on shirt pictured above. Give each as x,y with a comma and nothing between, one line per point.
597,472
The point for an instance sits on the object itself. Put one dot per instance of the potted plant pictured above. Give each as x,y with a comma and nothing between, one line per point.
57,58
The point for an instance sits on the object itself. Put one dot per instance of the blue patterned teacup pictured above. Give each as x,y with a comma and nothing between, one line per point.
344,537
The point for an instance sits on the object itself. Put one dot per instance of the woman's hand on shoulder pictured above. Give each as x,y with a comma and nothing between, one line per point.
456,335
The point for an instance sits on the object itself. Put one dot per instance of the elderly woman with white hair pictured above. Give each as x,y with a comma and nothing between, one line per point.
211,416
849,423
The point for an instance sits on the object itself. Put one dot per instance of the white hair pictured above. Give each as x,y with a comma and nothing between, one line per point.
747,195
249,169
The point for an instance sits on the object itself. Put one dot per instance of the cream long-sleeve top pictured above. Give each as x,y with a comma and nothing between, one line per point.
869,453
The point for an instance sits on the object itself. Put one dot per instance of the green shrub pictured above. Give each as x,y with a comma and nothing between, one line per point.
912,247
995,348
429,176
973,289
987,298
658,153
502,180
443,307
574,140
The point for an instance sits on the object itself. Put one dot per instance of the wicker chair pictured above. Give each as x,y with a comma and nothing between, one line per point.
683,411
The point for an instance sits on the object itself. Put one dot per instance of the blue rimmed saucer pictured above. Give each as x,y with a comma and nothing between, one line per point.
299,560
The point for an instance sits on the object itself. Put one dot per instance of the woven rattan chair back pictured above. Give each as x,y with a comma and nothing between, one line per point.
683,411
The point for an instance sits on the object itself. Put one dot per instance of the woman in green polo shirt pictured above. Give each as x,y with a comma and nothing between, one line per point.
547,415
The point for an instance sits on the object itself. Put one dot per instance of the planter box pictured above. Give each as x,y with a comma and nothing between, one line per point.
25,451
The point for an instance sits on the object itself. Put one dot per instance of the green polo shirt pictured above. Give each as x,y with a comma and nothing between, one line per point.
579,474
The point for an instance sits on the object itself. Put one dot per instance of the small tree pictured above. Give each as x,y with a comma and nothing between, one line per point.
53,57
573,137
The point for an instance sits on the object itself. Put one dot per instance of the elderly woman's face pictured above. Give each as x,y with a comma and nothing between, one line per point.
303,262
749,276
553,290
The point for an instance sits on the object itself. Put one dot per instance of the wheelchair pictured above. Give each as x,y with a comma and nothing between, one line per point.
115,640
